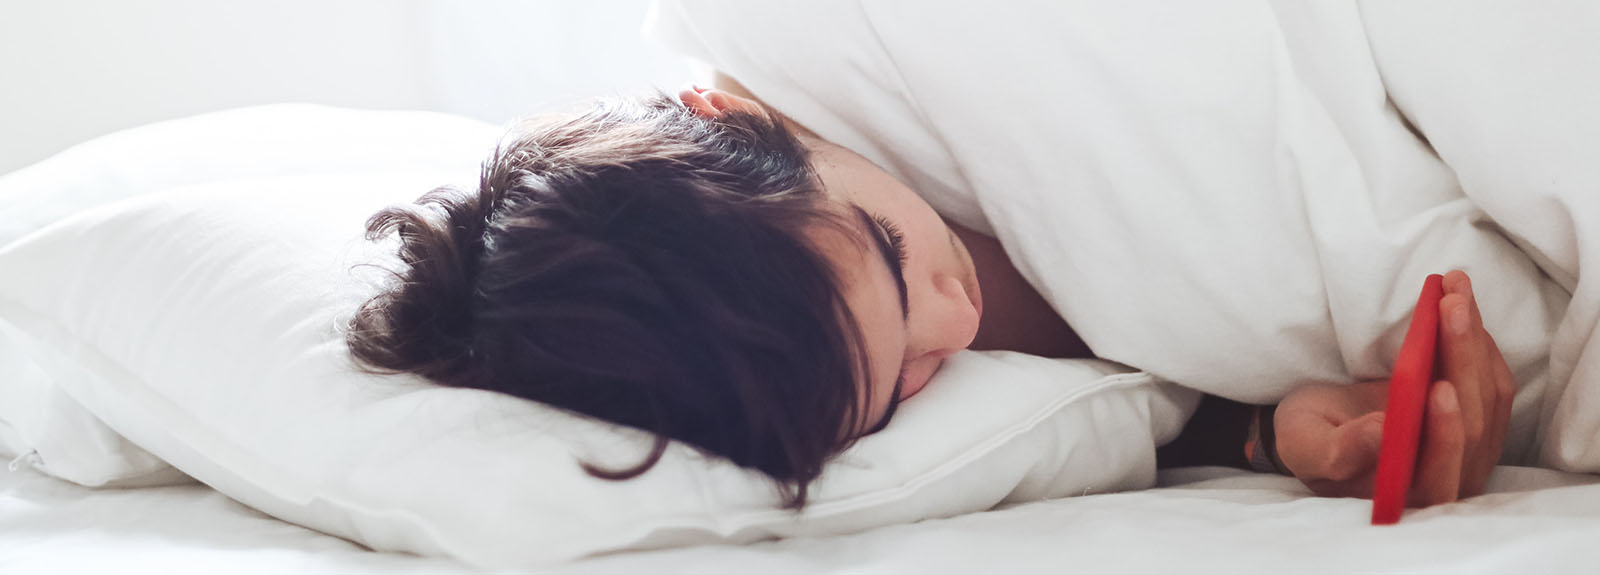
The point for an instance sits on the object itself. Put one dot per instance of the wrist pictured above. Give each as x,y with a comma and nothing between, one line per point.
1261,445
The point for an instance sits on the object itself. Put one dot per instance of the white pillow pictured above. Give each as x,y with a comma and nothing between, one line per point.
47,428
202,324
43,427
240,143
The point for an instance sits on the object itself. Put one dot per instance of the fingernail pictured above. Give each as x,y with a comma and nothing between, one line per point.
1457,320
1444,400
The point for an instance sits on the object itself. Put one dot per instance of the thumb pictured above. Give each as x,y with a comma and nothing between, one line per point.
1355,447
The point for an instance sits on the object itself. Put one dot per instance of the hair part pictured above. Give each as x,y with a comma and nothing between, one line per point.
642,264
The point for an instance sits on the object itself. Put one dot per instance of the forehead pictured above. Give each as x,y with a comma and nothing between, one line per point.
842,237
845,176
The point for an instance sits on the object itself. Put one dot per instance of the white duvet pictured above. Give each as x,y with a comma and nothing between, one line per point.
1223,193
1518,119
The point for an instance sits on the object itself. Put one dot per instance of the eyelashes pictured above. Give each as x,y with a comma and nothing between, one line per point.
897,242
897,239
892,240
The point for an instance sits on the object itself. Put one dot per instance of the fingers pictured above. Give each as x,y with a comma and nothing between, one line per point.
1494,443
1328,436
1463,362
1484,386
1504,391
1440,458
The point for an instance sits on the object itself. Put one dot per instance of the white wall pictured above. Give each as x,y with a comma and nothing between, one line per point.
71,70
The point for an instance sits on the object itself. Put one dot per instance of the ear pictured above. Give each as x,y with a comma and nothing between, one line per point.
693,98
713,103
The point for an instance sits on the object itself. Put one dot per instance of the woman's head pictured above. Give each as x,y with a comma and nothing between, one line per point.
685,269
908,281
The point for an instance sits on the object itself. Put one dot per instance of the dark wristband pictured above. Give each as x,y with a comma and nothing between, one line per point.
1264,455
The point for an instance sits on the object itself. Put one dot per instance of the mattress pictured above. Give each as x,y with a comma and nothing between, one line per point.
1202,520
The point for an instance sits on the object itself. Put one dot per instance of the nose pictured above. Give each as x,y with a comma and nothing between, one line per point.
947,320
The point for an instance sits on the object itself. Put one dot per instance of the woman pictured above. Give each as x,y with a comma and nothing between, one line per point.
705,269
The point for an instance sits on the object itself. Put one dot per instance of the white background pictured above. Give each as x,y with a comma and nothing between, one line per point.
71,70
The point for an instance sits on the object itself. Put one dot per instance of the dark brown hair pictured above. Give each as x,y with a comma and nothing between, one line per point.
642,264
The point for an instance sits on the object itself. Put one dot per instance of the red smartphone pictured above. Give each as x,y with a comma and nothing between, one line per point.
1408,394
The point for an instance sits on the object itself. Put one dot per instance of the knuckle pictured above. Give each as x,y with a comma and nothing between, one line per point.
1488,392
1472,435
1340,471
1335,468
1497,395
1505,390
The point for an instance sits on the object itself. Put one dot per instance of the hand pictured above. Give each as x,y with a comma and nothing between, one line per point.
1328,435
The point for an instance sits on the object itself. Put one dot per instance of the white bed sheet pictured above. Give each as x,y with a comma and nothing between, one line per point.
1206,520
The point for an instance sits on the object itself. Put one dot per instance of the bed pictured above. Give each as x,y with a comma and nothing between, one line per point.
1337,78
1205,520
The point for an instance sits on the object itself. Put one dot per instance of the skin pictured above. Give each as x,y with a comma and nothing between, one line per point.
1328,434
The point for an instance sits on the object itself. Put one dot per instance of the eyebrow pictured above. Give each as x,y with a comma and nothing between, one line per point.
890,258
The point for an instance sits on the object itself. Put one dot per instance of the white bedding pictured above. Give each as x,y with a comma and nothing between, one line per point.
1207,520
1204,520
1224,194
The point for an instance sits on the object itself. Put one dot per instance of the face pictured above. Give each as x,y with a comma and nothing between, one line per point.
908,280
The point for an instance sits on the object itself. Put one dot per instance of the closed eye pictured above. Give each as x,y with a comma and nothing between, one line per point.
891,243
895,257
